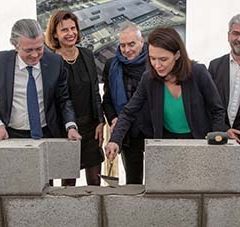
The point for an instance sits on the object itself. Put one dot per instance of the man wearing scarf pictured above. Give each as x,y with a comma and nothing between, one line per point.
121,76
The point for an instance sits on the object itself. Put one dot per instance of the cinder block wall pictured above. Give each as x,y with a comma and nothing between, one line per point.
188,183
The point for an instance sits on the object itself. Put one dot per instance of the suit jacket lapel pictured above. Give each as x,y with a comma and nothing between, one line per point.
10,78
45,71
222,82
157,107
88,64
224,71
186,96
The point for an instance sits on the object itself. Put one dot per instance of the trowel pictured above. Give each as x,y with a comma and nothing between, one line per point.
112,181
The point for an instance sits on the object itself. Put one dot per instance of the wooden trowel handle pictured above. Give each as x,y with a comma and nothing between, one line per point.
110,168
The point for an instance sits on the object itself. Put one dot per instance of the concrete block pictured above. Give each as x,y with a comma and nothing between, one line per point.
23,167
59,211
191,166
63,158
222,210
160,211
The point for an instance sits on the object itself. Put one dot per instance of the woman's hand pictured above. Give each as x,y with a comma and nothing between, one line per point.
99,134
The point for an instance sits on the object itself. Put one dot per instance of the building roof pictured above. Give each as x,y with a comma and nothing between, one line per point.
104,13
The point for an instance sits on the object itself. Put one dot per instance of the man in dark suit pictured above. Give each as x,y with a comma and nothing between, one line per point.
48,87
226,75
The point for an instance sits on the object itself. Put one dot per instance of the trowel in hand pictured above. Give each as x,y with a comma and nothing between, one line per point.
112,181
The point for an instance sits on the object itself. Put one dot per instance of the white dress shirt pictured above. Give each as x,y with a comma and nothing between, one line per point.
19,112
234,95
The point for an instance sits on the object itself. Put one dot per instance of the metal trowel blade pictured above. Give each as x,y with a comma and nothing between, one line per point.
112,181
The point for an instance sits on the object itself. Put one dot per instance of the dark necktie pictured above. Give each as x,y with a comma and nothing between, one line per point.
33,107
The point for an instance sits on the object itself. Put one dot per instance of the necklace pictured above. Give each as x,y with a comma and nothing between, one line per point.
73,60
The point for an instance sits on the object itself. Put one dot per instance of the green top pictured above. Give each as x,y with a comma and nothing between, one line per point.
174,117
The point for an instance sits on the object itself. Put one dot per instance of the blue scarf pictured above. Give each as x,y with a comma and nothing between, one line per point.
116,84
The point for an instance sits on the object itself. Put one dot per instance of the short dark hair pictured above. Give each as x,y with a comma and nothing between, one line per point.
169,39
54,20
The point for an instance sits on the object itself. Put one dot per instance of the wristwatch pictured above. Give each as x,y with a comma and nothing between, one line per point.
71,127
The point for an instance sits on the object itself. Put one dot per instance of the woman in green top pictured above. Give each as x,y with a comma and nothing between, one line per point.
182,98
174,117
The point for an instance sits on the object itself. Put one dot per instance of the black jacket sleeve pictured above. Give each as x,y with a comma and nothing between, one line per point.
108,107
128,114
96,94
212,98
217,68
88,58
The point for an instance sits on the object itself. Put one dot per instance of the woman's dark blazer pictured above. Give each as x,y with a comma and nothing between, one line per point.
88,58
202,104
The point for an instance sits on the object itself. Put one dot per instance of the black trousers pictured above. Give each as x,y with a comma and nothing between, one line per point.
15,133
132,156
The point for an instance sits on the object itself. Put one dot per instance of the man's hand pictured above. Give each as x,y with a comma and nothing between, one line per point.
73,134
3,133
234,134
111,150
113,123
99,134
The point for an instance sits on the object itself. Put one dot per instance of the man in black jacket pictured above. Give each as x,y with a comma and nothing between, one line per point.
121,76
225,72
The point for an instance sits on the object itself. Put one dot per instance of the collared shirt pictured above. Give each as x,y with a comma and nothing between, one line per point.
234,95
19,113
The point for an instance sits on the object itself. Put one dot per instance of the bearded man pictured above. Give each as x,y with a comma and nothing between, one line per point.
226,75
